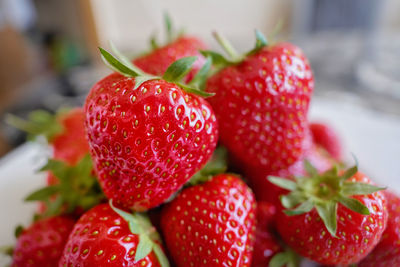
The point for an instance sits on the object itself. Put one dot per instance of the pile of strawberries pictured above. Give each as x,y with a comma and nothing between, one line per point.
155,190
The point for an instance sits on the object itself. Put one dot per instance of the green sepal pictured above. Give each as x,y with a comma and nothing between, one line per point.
261,41
174,73
178,69
216,165
287,258
292,199
283,182
7,250
76,187
122,58
355,188
304,207
194,91
144,247
140,225
42,194
228,48
310,169
168,27
139,80
39,122
327,212
116,64
200,79
349,173
18,231
355,205
153,43
324,192
162,258
218,60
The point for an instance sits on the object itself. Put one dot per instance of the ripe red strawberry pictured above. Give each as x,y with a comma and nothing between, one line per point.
266,244
70,145
330,218
178,46
147,135
261,104
107,236
327,138
41,244
211,224
387,252
158,60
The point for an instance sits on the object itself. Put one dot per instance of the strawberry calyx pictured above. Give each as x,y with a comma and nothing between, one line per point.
170,31
233,56
216,165
39,122
77,188
149,239
174,73
287,258
323,192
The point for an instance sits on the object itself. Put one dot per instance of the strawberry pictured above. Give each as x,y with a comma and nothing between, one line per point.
157,61
71,145
387,252
325,136
148,135
331,218
261,103
265,245
41,244
211,224
107,236
266,191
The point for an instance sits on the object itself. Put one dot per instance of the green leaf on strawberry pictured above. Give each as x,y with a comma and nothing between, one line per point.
149,239
323,192
77,187
287,258
174,73
39,122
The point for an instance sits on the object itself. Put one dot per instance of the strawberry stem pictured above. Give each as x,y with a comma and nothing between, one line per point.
228,48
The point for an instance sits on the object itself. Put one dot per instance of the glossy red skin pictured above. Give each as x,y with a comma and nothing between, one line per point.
387,252
211,224
261,105
158,61
102,238
145,150
71,144
42,243
268,192
308,236
266,244
325,136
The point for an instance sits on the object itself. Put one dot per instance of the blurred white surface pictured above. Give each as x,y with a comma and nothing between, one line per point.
373,137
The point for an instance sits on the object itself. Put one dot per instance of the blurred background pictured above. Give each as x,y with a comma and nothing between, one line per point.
49,56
